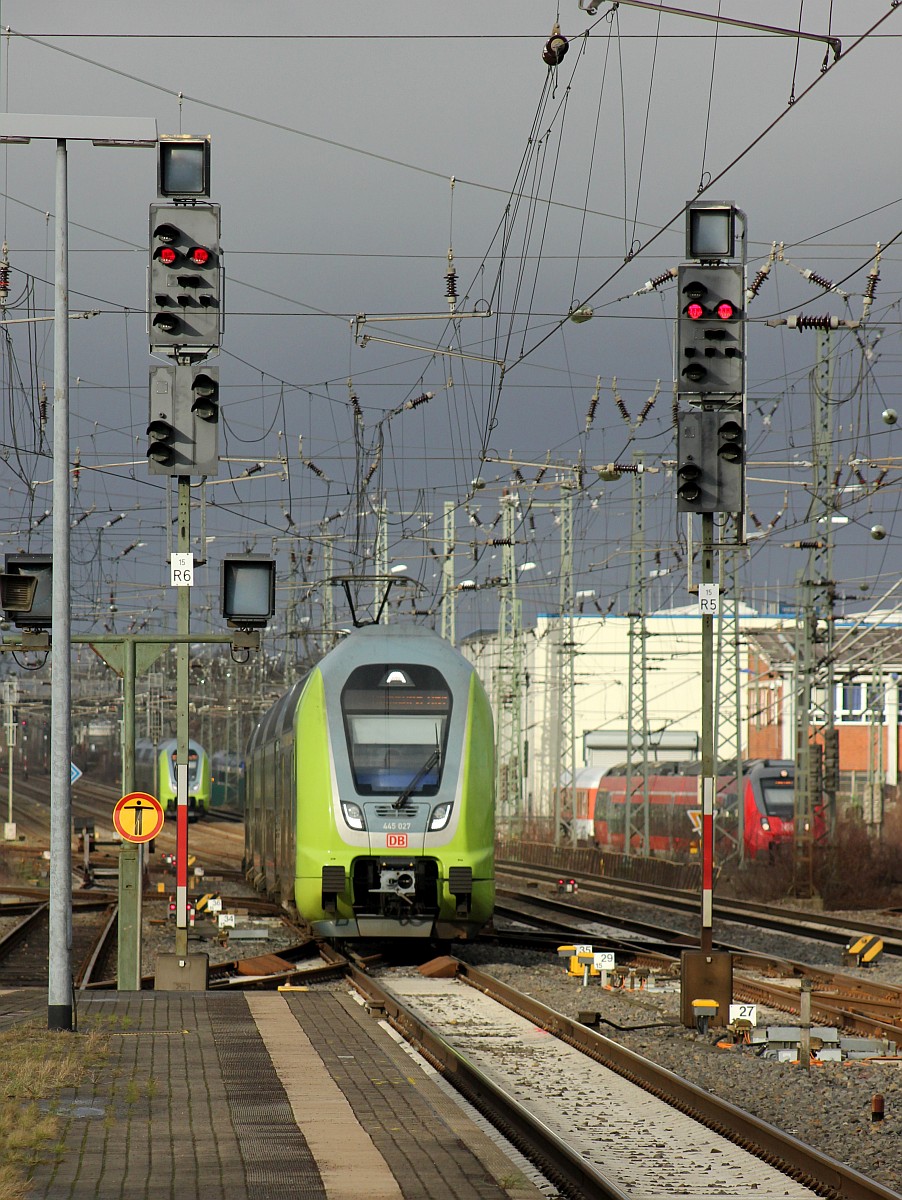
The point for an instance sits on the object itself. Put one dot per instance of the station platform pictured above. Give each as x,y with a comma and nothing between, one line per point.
258,1096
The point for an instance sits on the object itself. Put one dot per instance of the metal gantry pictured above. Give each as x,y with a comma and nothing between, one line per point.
815,699
328,598
876,709
728,682
449,630
380,551
637,824
509,680
563,682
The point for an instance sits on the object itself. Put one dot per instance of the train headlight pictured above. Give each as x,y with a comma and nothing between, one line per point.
353,814
441,815
765,824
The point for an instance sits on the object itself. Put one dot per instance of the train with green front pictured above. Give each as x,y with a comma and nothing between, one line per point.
155,772
369,800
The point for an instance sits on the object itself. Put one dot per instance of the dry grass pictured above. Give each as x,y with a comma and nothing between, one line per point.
35,1066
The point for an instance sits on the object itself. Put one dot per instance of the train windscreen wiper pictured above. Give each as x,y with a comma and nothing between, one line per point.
433,760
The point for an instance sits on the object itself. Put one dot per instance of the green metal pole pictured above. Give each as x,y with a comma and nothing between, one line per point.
128,971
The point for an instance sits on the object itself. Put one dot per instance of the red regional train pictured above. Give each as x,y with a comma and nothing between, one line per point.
674,827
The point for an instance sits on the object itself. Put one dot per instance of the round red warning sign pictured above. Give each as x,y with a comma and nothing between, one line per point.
138,817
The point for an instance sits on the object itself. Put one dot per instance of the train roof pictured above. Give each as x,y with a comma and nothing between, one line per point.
167,745
693,767
386,644
399,638
278,718
665,767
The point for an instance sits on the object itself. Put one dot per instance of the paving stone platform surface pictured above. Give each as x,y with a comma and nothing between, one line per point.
256,1096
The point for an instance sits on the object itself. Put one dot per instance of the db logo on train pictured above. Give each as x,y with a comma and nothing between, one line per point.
396,841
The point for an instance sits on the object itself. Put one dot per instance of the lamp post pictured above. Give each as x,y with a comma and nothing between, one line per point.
102,131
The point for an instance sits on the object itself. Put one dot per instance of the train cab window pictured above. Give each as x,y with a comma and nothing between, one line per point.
396,723
192,765
778,796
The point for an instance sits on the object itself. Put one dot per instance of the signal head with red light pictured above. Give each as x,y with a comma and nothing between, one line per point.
710,358
185,280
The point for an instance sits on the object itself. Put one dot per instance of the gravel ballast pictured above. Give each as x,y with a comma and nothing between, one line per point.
828,1106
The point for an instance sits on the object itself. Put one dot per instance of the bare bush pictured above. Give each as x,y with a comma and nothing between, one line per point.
859,868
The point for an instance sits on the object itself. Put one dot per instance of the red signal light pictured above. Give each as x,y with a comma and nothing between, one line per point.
199,255
167,256
726,311
694,311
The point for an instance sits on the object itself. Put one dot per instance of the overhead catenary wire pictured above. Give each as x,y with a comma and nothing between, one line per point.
336,402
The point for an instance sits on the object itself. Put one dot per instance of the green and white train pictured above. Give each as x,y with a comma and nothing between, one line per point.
370,791
155,773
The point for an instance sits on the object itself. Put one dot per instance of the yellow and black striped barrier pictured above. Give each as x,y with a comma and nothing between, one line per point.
863,951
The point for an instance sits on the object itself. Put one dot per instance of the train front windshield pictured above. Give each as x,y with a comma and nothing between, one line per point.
192,766
396,723
778,797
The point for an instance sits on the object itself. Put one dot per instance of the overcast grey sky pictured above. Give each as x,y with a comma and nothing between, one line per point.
336,133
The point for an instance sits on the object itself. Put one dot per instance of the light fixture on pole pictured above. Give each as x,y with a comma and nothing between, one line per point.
247,590
101,131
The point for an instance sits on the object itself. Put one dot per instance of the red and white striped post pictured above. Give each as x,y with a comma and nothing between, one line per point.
709,608
185,582
181,848
708,785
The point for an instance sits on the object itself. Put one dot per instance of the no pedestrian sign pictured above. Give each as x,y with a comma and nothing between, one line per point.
138,817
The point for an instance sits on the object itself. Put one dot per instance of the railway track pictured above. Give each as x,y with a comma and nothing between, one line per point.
562,1100
24,941
612,932
866,1007
774,918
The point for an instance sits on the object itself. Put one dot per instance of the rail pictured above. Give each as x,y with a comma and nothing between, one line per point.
663,872
802,1162
799,923
98,955
568,1170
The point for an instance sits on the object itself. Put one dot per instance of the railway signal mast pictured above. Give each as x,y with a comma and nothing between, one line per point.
184,305
184,322
710,383
185,325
